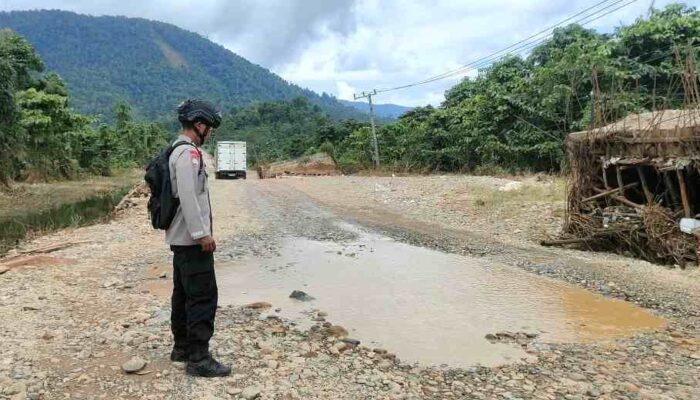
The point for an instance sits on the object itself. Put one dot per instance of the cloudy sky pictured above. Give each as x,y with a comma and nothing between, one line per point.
345,46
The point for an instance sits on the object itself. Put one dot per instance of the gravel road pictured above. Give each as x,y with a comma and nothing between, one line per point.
73,317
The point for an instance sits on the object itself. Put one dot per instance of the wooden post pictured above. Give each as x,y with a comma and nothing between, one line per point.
684,193
645,186
670,187
605,178
620,184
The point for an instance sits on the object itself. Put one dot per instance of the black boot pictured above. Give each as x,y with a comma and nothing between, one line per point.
207,367
179,354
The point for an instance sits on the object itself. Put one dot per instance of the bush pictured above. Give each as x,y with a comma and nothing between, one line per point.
489,170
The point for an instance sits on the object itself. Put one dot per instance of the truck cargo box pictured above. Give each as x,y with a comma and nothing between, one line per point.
231,160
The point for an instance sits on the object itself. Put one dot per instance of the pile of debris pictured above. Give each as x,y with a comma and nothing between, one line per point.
319,164
631,184
131,199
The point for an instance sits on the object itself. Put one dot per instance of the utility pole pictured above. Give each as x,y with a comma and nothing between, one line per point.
369,95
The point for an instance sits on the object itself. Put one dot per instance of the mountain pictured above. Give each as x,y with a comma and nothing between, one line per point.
385,111
152,65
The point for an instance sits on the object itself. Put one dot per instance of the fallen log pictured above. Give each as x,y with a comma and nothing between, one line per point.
53,247
43,250
560,242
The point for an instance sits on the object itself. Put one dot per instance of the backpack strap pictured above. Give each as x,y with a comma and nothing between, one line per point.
184,142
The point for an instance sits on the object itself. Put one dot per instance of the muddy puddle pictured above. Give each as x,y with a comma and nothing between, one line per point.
424,305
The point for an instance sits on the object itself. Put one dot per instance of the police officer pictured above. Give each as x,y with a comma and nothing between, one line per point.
190,237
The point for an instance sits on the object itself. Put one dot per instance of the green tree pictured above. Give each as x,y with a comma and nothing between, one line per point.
17,62
49,126
516,113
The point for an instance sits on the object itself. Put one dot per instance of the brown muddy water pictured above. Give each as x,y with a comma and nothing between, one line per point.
426,306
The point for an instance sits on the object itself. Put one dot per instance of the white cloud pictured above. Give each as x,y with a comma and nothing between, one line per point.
398,42
344,91
341,45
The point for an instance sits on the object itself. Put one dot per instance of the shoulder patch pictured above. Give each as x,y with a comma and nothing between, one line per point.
194,153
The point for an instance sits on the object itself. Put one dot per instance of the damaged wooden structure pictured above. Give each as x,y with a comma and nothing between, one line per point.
631,183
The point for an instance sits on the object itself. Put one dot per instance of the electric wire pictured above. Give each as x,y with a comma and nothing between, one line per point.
546,30
521,46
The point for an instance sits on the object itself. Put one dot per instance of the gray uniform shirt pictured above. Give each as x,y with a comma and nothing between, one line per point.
193,218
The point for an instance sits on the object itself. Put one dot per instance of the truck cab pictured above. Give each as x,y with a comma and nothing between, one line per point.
231,160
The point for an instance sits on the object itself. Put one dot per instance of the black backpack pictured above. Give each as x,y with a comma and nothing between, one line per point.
162,206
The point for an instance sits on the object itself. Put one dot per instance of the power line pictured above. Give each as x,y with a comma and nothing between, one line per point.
668,51
522,45
528,46
546,30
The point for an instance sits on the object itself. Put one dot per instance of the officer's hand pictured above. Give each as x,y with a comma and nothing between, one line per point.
208,244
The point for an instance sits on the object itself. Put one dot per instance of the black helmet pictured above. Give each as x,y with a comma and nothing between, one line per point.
193,110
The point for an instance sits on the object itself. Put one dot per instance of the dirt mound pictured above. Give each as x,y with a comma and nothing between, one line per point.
314,165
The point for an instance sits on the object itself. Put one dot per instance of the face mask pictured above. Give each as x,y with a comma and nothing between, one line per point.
201,135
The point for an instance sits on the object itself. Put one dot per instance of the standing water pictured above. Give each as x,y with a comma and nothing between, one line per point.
424,305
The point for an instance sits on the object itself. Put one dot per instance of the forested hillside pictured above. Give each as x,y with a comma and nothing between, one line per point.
513,116
42,138
384,111
282,130
152,65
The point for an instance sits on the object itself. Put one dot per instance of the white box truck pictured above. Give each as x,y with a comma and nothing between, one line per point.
230,160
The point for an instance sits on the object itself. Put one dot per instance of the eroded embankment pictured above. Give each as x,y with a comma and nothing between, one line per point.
30,209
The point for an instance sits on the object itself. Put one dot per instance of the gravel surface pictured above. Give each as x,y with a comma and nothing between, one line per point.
72,319
421,210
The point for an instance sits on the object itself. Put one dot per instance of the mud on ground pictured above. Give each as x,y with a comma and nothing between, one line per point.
73,318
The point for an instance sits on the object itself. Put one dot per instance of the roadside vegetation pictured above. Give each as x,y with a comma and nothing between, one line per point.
59,168
28,210
43,139
512,117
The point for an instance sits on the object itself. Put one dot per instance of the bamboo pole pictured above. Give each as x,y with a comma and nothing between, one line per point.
684,193
671,189
645,186
605,178
608,192
622,200
627,202
620,184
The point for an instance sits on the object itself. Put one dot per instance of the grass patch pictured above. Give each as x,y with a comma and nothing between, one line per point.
529,192
23,198
32,208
